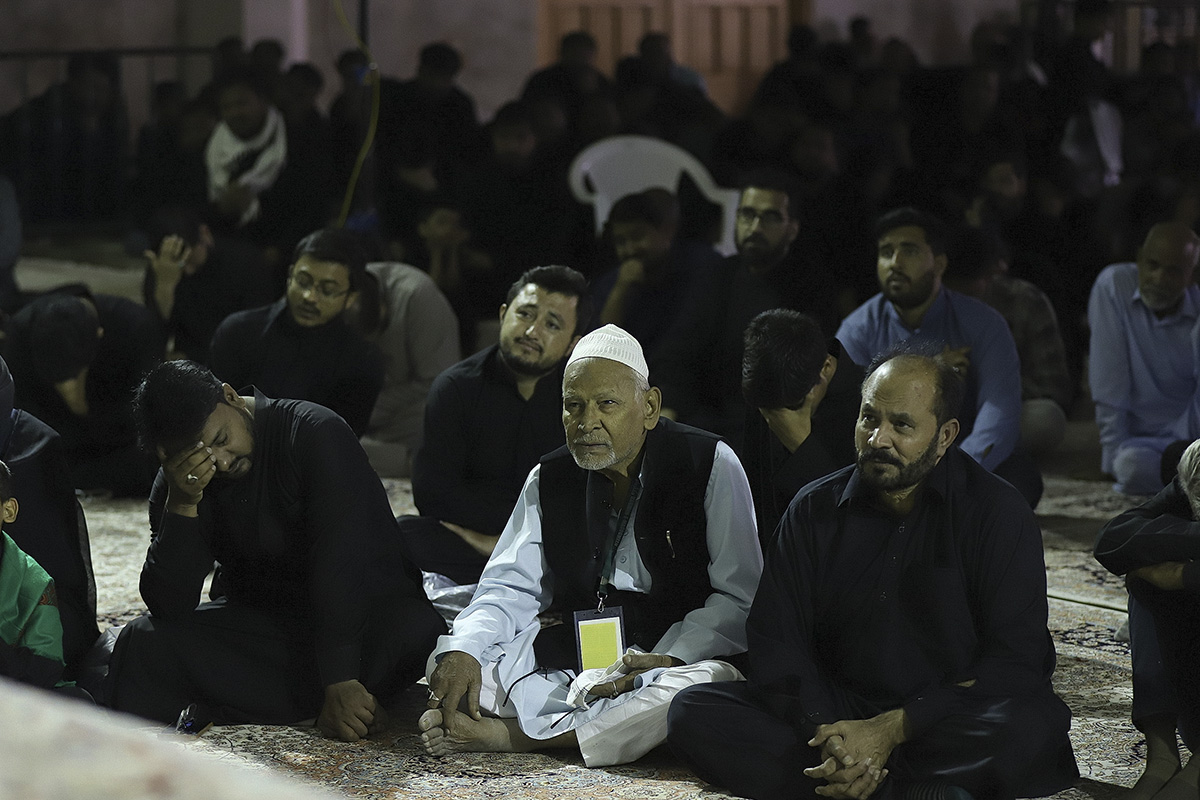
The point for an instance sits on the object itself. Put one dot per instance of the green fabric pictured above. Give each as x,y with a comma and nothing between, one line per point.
28,604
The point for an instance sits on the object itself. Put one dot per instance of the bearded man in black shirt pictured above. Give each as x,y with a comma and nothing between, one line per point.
314,611
898,642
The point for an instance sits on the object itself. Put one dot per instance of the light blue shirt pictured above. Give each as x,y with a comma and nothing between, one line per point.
1141,369
991,415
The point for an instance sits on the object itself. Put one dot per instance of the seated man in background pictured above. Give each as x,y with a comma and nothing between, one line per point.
489,419
76,359
1156,546
195,280
266,180
976,267
31,634
314,611
898,639
644,515
300,346
803,392
1142,367
654,272
50,528
913,305
699,361
416,331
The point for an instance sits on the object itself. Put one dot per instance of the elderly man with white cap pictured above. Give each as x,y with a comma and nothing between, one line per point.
640,534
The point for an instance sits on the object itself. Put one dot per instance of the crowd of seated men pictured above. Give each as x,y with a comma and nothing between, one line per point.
619,429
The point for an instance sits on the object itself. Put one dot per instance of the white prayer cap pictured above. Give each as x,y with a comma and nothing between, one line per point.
614,344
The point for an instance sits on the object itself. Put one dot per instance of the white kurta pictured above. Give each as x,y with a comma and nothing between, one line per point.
499,625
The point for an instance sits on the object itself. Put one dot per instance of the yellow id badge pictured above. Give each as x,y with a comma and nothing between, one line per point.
599,637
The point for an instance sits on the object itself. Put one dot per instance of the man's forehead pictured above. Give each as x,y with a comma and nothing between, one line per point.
905,234
1164,251
764,198
908,388
634,227
533,295
321,269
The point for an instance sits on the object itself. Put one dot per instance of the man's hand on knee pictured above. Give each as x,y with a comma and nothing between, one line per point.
457,675
1167,576
349,712
636,663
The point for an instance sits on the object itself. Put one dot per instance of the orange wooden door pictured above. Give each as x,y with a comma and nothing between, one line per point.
731,43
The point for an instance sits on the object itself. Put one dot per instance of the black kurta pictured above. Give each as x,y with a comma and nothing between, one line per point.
481,440
308,548
329,364
859,612
101,448
1164,529
777,475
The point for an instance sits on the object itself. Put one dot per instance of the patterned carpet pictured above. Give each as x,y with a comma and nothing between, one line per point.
1093,677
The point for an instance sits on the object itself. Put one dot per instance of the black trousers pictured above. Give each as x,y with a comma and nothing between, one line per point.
241,665
1008,748
433,547
1176,616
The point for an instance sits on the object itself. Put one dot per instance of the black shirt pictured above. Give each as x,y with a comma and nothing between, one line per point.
1160,530
481,440
698,362
232,278
330,364
775,474
307,534
895,612
654,304
101,447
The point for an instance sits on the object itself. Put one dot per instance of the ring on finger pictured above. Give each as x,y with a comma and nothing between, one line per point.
192,478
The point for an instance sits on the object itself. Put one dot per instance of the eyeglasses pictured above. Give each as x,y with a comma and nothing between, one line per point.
327,289
768,217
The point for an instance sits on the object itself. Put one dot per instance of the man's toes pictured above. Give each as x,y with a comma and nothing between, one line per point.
430,719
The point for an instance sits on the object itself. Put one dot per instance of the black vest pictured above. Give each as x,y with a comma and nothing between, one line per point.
670,532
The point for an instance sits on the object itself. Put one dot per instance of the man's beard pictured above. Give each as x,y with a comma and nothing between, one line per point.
758,258
1156,300
918,291
593,461
524,366
906,475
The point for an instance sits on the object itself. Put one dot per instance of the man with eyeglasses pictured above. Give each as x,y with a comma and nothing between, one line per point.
301,346
699,360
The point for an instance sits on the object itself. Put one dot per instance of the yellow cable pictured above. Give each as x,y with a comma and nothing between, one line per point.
372,125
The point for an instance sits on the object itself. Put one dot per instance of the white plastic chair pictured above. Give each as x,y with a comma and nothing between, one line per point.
611,168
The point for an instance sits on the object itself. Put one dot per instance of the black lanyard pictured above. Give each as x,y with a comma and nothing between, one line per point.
614,542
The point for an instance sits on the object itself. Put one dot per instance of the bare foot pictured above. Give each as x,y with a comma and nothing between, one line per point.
488,735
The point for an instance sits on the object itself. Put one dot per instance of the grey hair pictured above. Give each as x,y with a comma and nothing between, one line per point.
1189,476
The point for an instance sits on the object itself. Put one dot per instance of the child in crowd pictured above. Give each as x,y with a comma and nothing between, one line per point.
31,649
